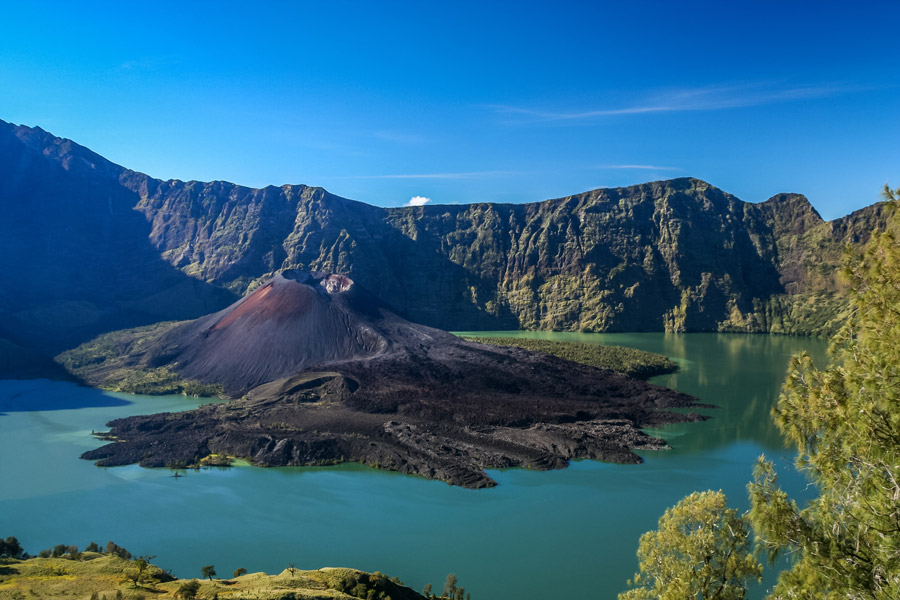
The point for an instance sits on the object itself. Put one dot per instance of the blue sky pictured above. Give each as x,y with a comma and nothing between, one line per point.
471,101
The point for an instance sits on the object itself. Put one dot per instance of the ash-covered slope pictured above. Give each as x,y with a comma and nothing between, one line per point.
289,324
333,375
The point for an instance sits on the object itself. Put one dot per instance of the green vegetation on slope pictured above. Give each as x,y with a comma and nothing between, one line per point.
113,361
630,361
66,572
844,422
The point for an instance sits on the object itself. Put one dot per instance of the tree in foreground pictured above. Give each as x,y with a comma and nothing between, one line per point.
845,423
208,571
452,590
11,547
701,550
113,548
239,571
139,568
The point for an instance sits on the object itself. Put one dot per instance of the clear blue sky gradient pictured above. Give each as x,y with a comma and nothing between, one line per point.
471,101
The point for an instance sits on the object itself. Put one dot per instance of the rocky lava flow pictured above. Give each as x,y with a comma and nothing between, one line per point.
325,373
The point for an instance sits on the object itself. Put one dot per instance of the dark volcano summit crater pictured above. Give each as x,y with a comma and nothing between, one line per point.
322,372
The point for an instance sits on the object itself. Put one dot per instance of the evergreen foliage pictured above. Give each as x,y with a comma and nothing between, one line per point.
452,589
844,422
10,547
701,550
113,548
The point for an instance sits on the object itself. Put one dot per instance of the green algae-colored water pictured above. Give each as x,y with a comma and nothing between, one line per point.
571,533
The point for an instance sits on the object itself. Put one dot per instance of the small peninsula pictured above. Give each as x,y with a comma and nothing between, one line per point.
320,371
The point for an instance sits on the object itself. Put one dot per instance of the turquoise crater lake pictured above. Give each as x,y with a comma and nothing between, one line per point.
571,533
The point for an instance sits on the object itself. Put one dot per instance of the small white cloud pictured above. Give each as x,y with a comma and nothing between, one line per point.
418,201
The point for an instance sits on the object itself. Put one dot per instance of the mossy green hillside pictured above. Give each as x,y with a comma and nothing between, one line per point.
630,361
115,361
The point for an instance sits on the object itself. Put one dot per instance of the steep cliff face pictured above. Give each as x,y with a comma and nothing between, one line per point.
677,255
89,246
661,255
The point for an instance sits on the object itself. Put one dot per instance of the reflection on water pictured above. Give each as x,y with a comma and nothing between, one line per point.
739,374
31,396
733,377
559,534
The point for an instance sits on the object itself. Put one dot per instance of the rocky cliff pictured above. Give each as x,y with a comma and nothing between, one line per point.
88,246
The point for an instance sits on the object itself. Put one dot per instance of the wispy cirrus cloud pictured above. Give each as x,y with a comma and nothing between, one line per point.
146,63
398,137
707,98
460,175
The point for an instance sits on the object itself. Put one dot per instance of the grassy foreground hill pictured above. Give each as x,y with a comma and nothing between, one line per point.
97,576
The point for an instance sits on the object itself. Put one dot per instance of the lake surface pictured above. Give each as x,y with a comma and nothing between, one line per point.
570,533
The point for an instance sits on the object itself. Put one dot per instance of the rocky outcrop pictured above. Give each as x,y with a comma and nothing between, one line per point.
89,246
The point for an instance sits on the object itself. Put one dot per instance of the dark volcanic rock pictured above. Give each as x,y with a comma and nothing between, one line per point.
336,376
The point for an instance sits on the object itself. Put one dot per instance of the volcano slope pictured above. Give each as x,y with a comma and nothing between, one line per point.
322,372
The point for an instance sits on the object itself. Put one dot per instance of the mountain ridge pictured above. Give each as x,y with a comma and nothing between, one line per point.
671,255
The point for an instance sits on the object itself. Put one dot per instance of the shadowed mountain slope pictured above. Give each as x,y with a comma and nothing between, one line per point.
75,257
